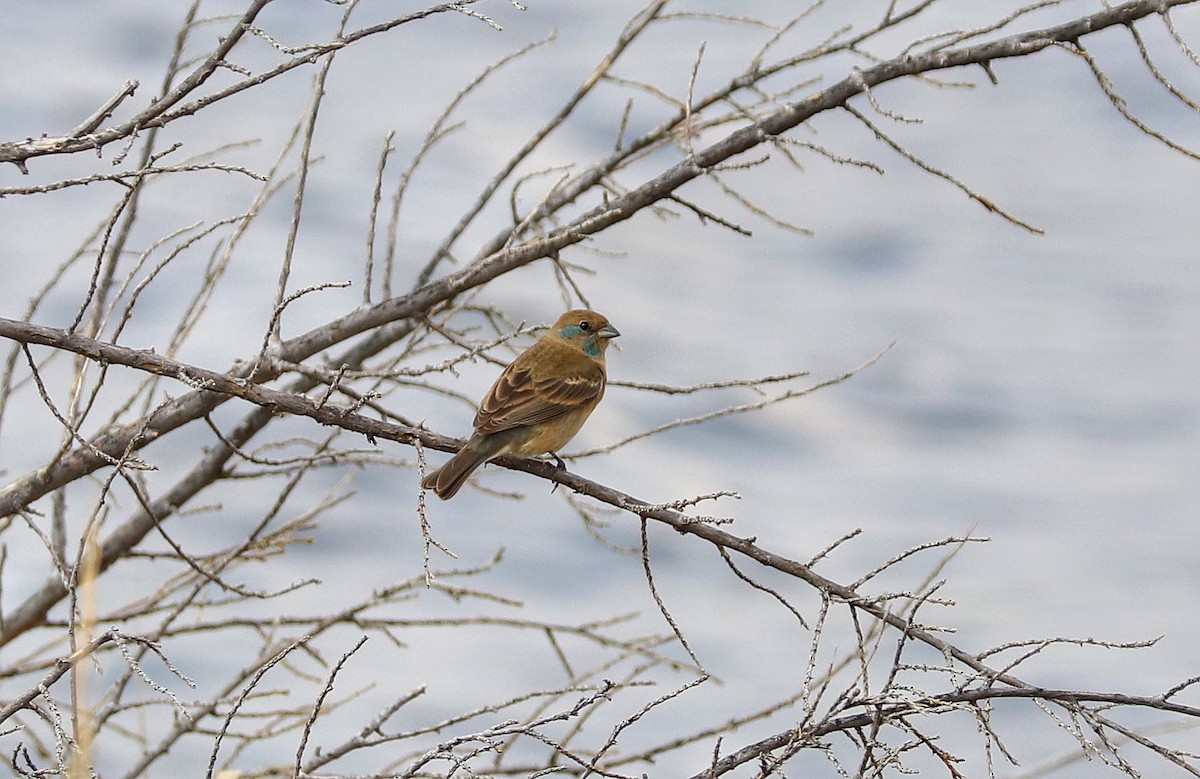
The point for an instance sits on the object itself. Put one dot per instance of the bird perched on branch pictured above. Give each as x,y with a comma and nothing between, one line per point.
539,402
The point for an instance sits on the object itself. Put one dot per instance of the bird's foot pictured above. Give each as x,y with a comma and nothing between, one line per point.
558,465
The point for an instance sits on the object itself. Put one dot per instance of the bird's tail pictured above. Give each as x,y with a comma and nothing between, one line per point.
447,480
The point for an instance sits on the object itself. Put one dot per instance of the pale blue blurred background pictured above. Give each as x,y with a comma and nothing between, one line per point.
1041,393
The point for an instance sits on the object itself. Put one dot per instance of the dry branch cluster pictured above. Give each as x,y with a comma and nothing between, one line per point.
156,462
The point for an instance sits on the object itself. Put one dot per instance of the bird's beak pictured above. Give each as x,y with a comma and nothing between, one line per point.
608,331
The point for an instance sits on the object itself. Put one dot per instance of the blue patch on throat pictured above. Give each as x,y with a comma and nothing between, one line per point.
591,344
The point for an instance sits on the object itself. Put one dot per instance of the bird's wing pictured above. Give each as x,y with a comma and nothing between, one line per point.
525,395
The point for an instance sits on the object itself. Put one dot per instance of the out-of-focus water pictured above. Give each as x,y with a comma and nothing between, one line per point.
1041,392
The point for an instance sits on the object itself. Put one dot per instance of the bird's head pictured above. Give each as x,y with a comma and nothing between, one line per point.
587,329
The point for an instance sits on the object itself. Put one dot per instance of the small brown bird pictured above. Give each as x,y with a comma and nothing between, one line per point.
539,402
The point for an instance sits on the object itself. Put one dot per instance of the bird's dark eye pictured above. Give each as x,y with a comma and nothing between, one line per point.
585,326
